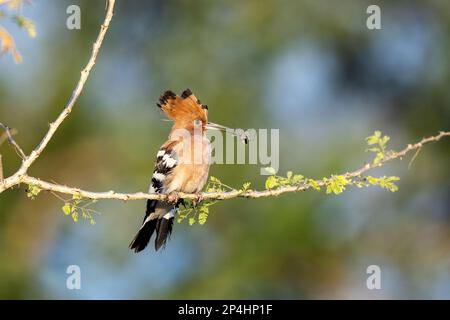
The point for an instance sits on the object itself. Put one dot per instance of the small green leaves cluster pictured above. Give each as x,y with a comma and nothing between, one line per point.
194,213
291,179
245,187
336,184
75,207
377,143
199,212
78,207
384,182
33,191
274,181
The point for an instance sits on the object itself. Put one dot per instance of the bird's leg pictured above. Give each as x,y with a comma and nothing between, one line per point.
199,199
173,197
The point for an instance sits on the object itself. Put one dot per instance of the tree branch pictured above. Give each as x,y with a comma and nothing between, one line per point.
229,194
17,178
75,94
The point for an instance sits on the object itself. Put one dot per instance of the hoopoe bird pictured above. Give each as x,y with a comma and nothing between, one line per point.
182,164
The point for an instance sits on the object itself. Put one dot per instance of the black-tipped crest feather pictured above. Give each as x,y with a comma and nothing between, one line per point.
186,93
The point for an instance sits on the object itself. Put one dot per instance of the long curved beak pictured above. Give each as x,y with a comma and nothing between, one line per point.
235,132
215,126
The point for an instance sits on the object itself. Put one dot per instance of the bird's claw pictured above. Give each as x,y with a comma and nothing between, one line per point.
173,197
199,199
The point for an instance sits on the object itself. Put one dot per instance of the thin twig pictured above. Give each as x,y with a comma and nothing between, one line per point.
12,142
20,174
4,136
44,185
414,158
75,94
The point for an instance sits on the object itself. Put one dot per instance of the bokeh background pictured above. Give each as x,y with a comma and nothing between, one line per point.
311,69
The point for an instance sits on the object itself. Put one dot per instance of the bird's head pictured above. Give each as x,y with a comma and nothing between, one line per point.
189,113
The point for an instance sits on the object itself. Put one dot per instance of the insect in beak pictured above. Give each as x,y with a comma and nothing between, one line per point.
235,132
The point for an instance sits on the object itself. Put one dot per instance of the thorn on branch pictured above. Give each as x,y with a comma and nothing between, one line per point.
414,157
9,137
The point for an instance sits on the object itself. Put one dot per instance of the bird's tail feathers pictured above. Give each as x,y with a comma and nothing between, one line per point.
163,232
159,217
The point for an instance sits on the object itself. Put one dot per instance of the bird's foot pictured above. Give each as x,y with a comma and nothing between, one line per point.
173,197
199,199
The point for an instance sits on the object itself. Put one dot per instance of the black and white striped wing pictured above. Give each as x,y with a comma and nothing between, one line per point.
166,161
158,215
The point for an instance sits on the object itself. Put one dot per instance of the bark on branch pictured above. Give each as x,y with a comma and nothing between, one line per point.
44,185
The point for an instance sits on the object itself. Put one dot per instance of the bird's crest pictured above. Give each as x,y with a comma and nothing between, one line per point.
184,108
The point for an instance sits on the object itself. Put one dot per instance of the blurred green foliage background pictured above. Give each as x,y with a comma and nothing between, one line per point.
311,69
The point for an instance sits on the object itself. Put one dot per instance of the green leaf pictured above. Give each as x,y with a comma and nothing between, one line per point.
188,204
296,179
383,141
388,183
33,191
271,182
246,186
314,184
373,181
336,184
373,139
75,216
191,221
77,196
289,174
381,148
67,208
183,213
378,158
203,215
214,179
